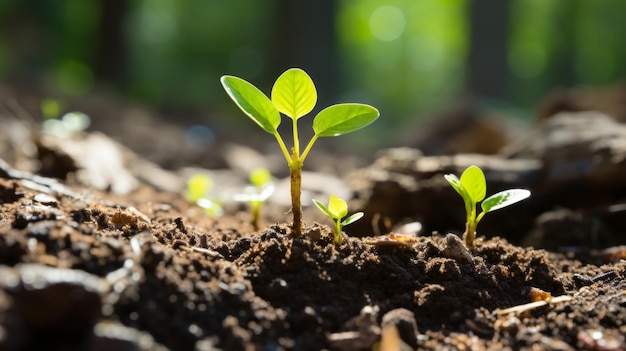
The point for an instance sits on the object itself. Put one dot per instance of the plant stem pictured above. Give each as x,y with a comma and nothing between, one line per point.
470,229
308,147
283,148
338,231
295,173
256,213
470,225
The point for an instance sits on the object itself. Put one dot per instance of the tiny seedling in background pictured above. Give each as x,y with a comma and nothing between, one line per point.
473,188
70,124
51,108
262,188
336,210
198,189
294,95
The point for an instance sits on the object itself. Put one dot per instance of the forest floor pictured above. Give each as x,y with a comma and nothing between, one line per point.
88,269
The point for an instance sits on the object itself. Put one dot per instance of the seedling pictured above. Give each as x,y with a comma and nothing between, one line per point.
336,210
198,189
262,188
294,95
70,124
473,187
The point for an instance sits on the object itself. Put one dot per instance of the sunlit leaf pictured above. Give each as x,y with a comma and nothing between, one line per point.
323,208
503,199
456,184
260,176
343,118
353,218
294,93
252,102
337,206
474,183
198,186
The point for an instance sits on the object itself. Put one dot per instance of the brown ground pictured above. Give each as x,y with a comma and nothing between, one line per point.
82,269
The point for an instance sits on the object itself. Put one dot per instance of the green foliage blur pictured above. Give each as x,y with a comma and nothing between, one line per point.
405,57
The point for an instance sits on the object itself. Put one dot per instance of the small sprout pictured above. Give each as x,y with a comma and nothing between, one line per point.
294,95
198,189
51,108
70,124
262,188
259,177
473,188
336,210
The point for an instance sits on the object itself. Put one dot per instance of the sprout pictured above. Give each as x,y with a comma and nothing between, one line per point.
70,124
473,187
199,187
294,95
336,210
262,188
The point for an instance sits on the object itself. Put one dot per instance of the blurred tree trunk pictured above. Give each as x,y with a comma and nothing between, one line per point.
487,66
110,64
306,38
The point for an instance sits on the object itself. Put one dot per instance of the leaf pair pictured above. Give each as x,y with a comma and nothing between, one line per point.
294,95
473,188
336,210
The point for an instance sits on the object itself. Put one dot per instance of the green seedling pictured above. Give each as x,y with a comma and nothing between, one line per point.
199,187
70,124
262,188
336,210
473,188
294,95
51,108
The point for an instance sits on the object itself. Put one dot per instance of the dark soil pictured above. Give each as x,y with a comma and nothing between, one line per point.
83,269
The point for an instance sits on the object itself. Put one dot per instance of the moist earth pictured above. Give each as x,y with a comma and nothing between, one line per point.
110,256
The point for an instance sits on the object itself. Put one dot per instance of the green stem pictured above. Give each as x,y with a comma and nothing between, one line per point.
283,148
338,231
309,146
255,206
470,226
296,142
295,177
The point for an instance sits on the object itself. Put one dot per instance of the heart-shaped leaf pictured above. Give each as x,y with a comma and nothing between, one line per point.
294,93
343,118
337,206
504,199
474,183
252,102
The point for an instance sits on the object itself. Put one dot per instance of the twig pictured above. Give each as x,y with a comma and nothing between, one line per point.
533,305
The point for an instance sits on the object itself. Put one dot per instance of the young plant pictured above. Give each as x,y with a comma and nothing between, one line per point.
473,188
198,189
336,210
255,195
294,95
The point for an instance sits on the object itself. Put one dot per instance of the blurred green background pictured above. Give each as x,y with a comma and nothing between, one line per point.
406,57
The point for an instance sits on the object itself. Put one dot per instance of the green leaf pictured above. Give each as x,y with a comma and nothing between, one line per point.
474,183
504,199
198,186
294,93
337,206
323,208
343,118
260,176
456,184
355,217
252,102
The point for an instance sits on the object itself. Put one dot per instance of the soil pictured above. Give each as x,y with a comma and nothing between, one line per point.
87,269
